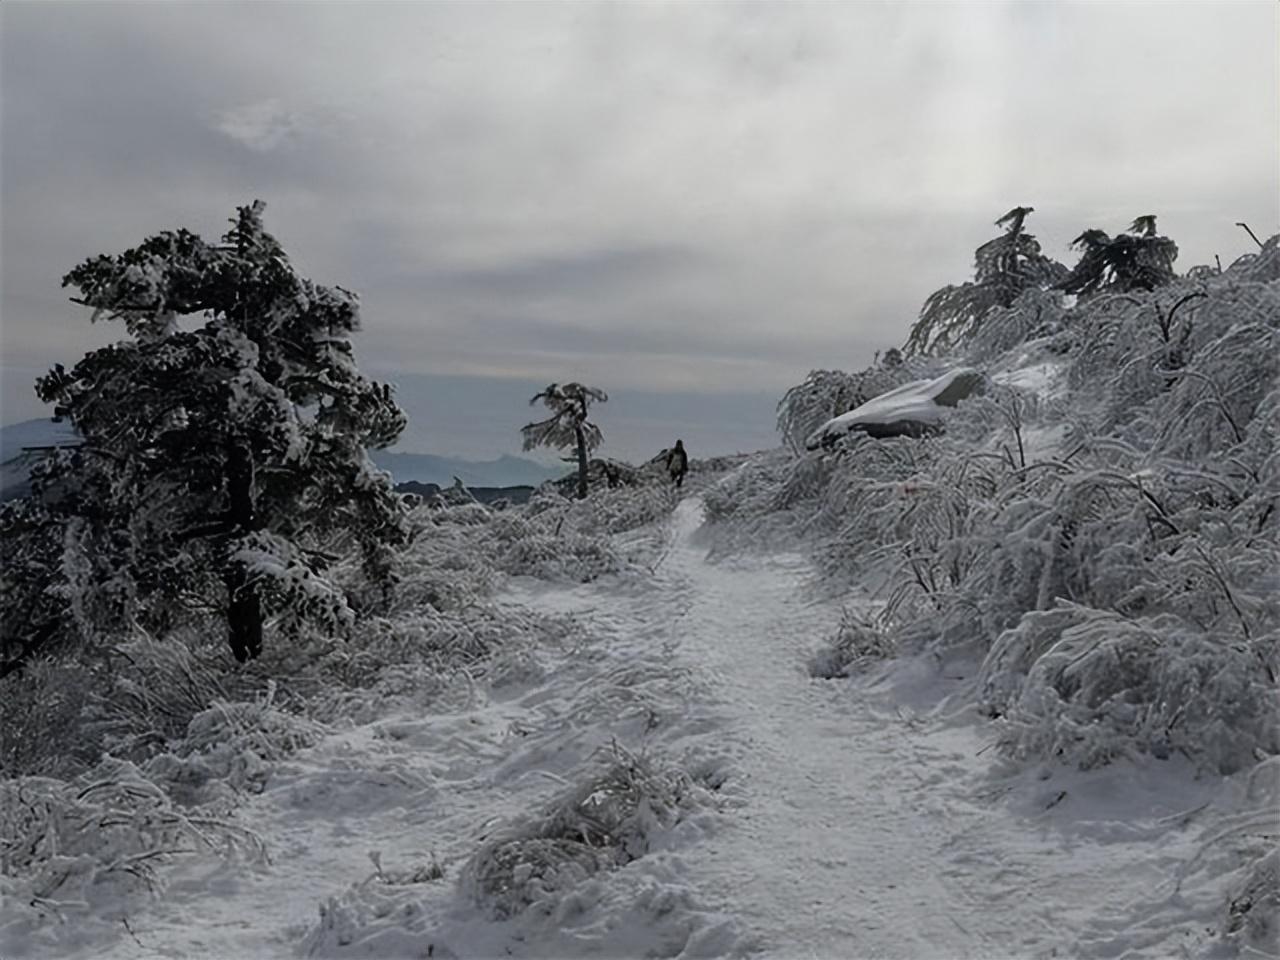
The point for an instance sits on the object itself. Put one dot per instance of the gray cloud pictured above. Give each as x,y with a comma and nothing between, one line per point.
706,199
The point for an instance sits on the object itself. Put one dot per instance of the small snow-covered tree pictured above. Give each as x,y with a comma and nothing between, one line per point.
1004,268
568,425
1138,259
225,459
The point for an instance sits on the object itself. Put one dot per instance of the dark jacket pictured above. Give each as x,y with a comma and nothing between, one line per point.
677,460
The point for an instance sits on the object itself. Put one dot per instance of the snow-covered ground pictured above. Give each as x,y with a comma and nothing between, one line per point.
837,818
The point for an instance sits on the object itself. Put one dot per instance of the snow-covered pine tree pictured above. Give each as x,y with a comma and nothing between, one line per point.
224,462
568,425
1004,268
1139,259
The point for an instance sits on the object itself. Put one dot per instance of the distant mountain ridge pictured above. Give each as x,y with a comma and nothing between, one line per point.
505,471
33,433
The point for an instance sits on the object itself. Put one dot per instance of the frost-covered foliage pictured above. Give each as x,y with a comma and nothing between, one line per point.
387,896
1093,685
69,844
860,640
458,551
1004,269
1035,315
1101,527
182,734
224,457
139,694
765,500
131,698
614,816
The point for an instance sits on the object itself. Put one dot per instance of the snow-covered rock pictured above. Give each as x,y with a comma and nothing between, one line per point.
913,409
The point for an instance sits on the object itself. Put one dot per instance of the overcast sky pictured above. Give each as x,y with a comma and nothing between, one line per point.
702,201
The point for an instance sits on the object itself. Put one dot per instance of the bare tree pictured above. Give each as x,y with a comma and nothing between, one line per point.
568,425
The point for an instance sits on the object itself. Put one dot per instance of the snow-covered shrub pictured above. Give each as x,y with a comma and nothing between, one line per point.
578,558
1132,521
1035,314
235,742
561,539
132,699
447,565
457,551
416,658
64,840
1260,267
1240,849
157,687
1098,685
759,504
380,914
628,508
42,714
823,394
614,816
859,640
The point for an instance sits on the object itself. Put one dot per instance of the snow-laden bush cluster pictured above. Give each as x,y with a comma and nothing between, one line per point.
614,815
1100,526
859,640
180,732
552,538
68,844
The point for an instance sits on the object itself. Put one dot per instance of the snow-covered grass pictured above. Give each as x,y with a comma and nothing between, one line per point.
68,846
860,641
607,820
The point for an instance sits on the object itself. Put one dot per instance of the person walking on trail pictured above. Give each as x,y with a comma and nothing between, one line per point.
677,463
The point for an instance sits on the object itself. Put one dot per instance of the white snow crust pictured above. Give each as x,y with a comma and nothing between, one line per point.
916,405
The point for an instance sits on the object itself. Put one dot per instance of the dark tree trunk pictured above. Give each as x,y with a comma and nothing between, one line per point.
582,463
244,614
244,609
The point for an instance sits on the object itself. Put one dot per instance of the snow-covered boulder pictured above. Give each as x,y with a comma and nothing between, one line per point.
912,410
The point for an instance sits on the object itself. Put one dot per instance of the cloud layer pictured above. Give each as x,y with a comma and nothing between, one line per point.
708,198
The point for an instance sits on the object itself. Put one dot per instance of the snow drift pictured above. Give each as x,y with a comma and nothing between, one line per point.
912,410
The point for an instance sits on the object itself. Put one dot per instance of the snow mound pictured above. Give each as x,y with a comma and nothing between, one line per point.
913,409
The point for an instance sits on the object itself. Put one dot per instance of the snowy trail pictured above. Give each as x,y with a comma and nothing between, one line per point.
865,832
831,854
